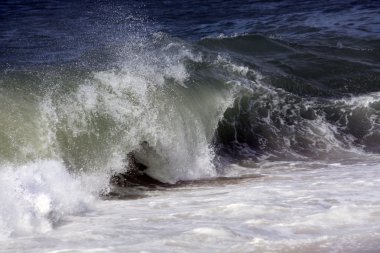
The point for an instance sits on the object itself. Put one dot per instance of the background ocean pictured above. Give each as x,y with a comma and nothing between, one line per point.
261,118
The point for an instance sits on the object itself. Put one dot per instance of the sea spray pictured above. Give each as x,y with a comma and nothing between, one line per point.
37,196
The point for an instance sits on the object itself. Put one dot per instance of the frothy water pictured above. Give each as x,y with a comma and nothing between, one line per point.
36,196
292,207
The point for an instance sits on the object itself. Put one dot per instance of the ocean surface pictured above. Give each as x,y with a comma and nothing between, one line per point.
258,123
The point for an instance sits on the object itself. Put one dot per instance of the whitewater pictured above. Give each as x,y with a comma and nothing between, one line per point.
308,208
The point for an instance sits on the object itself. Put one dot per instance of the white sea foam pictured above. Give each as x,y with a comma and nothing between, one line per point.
36,196
293,207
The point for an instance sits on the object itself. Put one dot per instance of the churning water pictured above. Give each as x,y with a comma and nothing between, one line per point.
259,120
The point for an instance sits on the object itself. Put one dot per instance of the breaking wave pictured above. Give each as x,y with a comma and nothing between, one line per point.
65,130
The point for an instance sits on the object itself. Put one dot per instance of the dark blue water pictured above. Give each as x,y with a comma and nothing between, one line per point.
55,31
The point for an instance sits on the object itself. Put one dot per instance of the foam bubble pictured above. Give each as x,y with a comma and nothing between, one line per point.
36,196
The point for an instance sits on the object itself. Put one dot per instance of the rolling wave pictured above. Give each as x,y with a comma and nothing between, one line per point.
179,108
